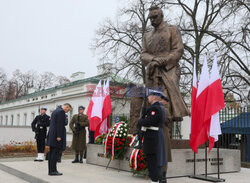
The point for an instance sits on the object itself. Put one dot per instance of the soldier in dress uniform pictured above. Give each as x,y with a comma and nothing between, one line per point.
154,141
39,126
77,125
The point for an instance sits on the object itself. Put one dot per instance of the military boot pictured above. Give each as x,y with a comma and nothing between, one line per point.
164,178
76,159
81,159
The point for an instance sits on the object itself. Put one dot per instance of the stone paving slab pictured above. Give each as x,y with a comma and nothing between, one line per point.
5,177
86,173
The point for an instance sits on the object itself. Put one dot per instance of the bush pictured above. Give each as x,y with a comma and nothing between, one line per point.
18,147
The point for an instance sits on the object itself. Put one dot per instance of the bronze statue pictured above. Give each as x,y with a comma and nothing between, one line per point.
162,49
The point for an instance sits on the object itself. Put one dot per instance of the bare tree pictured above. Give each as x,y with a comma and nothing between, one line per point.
211,25
45,80
20,83
206,26
120,40
61,80
3,82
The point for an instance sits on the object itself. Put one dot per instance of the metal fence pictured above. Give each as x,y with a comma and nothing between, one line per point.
235,126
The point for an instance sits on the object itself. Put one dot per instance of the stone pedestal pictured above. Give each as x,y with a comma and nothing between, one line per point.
182,164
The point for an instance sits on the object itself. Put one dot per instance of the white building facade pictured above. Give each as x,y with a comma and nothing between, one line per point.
17,115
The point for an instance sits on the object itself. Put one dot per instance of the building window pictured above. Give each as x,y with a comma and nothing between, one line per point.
32,116
25,119
18,119
6,120
1,120
11,119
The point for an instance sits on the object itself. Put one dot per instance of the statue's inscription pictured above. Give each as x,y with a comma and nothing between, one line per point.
212,161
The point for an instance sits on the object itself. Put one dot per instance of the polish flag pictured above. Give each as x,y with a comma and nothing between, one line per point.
94,111
214,104
194,93
199,133
104,126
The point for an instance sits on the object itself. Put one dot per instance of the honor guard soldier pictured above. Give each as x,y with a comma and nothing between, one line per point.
154,143
77,125
39,126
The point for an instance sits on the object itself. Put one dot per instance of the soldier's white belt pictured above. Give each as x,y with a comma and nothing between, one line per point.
143,128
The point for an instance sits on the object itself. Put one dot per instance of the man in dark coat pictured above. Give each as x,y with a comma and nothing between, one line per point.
39,126
56,136
64,139
77,125
154,141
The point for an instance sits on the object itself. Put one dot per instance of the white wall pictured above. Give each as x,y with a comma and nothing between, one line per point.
21,131
185,127
21,134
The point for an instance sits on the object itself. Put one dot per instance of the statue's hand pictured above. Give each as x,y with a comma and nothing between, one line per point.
158,61
151,67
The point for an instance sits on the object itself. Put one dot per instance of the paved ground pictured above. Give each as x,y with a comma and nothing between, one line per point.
21,170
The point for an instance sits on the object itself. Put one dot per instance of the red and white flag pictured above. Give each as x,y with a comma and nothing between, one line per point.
94,111
104,126
199,133
214,104
194,93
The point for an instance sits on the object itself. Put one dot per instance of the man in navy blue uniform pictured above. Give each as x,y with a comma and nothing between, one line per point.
154,143
39,126
56,136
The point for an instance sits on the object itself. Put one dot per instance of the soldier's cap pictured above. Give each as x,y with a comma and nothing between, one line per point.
157,93
44,108
81,107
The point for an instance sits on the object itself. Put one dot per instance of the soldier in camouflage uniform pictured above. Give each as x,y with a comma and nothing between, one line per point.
77,125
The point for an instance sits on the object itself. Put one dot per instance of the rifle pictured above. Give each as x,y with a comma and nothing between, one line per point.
143,115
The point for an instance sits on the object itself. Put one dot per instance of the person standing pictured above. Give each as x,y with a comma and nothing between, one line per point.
64,140
154,141
39,126
77,125
56,136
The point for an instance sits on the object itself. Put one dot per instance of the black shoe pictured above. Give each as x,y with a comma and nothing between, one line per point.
164,178
80,160
76,159
55,173
59,161
38,160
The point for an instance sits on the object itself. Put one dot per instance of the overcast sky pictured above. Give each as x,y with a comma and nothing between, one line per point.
51,35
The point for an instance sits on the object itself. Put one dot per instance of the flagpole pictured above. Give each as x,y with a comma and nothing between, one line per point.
206,159
203,81
194,163
218,158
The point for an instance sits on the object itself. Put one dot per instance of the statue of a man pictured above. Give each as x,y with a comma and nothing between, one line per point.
161,51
